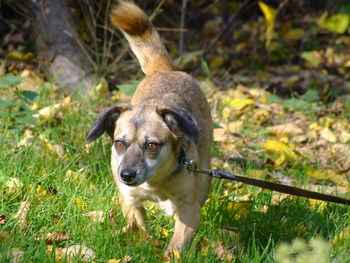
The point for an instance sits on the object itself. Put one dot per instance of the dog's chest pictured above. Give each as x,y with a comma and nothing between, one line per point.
162,198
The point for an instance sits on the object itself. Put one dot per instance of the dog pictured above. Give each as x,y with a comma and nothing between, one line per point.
167,121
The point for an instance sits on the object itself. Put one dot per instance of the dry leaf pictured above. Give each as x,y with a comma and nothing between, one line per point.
49,111
57,237
220,135
235,126
84,253
277,198
327,134
15,255
2,219
4,236
222,252
22,214
340,157
27,140
96,216
13,185
126,259
285,129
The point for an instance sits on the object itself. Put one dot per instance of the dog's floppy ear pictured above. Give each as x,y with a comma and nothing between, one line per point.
180,121
105,121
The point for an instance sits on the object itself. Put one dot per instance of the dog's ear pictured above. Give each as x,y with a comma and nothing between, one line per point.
180,121
105,121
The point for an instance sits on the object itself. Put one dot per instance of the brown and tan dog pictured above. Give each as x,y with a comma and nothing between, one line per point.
167,120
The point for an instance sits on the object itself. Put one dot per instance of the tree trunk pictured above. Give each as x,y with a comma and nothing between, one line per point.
60,56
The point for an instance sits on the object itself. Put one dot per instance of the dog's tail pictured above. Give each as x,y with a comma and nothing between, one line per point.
143,38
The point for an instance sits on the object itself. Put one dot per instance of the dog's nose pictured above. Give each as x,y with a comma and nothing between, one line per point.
128,175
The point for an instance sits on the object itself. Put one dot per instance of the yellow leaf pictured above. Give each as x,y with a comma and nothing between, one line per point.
100,89
19,56
14,184
316,173
294,34
114,260
80,203
237,103
164,232
279,152
342,237
270,16
321,205
49,111
327,134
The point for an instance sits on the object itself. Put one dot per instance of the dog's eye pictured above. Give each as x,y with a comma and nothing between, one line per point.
152,147
119,144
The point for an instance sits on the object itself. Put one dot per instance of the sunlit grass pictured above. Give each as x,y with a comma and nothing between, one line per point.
63,188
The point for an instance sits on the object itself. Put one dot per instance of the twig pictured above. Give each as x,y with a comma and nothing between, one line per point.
246,4
169,29
80,43
182,24
155,12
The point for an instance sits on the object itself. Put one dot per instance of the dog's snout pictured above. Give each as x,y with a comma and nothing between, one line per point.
128,175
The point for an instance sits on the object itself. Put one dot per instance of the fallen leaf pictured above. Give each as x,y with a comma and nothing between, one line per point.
285,129
327,134
340,157
80,203
80,252
50,111
96,216
126,259
15,255
14,184
22,214
237,103
235,126
279,152
57,237
221,135
320,205
4,236
222,252
100,89
2,219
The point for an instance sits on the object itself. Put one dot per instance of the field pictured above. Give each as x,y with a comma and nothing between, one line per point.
73,201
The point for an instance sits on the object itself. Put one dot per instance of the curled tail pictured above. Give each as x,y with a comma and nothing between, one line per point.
143,38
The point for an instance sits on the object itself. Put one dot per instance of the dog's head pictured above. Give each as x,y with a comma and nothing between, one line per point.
147,139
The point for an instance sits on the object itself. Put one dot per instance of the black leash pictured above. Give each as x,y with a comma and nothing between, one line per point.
192,166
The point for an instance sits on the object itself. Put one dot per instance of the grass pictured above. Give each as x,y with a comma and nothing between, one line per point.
62,188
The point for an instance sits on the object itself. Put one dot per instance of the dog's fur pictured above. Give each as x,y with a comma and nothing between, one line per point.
168,119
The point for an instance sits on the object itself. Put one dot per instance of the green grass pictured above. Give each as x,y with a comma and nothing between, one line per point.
57,210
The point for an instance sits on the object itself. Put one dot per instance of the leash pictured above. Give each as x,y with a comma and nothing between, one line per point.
193,166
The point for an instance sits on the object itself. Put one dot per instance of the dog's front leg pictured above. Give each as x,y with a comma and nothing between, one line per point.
186,225
135,216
